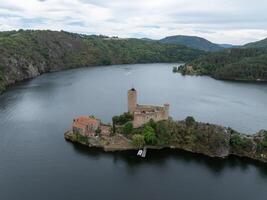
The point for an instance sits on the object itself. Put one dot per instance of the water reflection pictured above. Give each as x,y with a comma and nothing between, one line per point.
160,157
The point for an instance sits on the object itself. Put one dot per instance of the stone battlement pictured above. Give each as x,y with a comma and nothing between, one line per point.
144,113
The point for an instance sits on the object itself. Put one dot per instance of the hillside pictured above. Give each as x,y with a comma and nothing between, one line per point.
247,64
228,46
192,42
258,44
26,54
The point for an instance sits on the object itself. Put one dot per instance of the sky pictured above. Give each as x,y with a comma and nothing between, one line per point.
220,21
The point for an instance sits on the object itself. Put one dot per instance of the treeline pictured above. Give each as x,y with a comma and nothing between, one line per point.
26,54
233,64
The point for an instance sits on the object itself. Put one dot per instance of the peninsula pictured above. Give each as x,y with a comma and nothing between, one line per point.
248,63
151,127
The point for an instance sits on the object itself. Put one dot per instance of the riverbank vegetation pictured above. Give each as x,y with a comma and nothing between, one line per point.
26,54
190,135
2,86
244,64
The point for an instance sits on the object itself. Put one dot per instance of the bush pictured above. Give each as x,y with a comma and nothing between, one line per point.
264,141
149,135
81,138
152,123
239,142
127,128
190,121
138,140
98,130
122,119
163,132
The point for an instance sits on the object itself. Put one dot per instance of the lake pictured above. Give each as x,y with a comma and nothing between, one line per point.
37,163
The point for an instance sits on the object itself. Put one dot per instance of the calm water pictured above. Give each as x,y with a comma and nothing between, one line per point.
37,163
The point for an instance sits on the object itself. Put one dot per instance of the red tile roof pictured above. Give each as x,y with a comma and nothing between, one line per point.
83,121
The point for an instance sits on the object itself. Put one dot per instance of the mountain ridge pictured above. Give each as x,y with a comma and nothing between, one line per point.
258,44
27,54
192,42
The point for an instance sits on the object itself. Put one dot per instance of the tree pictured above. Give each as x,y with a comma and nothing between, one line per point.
98,130
149,135
127,128
138,140
163,132
264,141
122,119
190,121
239,141
152,123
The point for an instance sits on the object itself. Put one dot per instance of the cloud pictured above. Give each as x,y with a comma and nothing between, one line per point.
221,21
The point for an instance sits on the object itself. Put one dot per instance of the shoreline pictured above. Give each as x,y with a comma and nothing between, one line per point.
186,70
236,80
108,148
9,85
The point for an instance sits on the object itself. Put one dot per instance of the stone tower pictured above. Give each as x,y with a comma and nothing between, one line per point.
166,110
132,100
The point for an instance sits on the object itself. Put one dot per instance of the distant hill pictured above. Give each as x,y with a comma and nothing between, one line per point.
258,44
242,64
192,42
228,46
148,39
27,54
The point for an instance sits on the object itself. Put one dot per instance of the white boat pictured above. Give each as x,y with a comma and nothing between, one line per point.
143,155
139,153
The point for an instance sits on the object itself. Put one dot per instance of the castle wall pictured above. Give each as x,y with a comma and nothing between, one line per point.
144,113
143,118
148,108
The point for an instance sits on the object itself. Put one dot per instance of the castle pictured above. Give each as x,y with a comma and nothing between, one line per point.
144,113
90,126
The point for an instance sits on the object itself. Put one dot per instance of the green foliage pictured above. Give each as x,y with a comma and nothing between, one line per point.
98,130
1,73
81,138
190,121
149,135
191,137
258,44
264,141
232,64
127,128
122,119
152,124
2,86
238,141
192,42
199,138
138,140
163,133
52,50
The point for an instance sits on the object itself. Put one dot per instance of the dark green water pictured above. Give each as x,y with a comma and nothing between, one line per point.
37,163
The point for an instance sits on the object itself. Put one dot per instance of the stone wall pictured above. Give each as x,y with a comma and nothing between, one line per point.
141,118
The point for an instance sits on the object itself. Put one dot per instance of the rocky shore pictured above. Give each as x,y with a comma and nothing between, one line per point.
203,138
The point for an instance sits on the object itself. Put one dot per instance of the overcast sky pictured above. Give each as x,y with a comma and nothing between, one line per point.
220,21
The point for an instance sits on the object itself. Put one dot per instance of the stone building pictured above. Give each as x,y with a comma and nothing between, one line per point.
86,125
144,113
